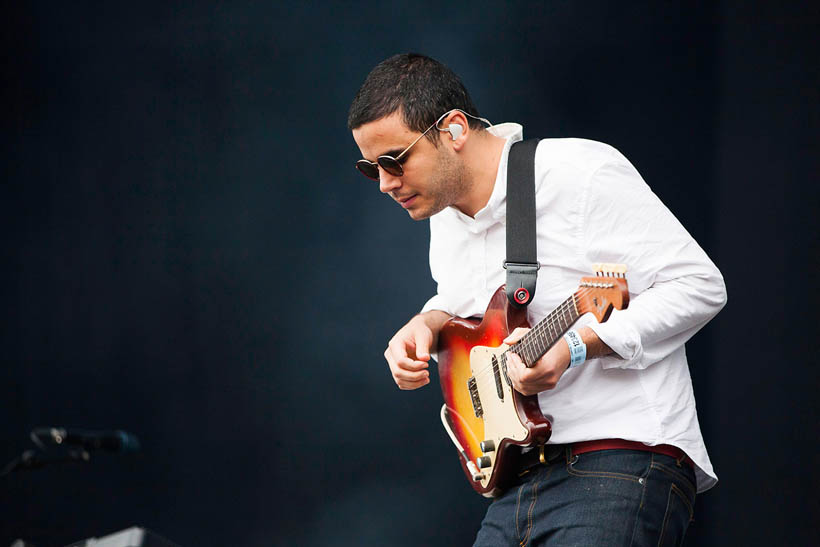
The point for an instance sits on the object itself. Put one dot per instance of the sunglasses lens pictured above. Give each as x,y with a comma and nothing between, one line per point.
391,165
370,170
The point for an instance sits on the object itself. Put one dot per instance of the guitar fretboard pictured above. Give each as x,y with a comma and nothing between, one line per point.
542,336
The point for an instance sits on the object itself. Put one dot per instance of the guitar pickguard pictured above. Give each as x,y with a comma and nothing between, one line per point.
500,418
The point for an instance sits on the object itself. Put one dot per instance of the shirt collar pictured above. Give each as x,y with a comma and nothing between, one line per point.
496,206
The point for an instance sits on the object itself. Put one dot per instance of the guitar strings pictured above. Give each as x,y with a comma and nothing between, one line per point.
551,321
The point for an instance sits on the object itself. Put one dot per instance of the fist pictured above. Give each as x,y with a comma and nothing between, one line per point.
408,353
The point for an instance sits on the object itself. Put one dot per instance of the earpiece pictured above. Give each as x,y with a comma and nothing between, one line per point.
455,129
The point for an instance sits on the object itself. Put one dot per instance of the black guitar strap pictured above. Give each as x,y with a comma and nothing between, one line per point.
522,252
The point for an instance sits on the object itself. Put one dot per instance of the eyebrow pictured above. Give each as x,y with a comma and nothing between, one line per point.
393,152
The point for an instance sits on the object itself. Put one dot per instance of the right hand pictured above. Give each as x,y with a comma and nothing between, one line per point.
408,354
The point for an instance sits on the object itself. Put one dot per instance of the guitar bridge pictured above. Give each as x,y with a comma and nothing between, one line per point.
472,387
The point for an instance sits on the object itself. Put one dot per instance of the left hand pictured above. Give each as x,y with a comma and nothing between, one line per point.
544,374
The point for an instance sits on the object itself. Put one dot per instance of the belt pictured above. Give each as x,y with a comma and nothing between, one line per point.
549,453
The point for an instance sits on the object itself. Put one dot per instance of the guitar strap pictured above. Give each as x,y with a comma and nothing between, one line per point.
522,253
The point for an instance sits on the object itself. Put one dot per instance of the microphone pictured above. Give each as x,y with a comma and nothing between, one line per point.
108,441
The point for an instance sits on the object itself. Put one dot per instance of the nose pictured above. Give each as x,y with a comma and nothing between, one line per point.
388,182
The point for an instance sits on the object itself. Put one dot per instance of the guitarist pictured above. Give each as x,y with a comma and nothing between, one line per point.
626,457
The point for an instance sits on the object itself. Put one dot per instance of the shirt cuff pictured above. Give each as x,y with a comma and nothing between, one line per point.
624,340
440,304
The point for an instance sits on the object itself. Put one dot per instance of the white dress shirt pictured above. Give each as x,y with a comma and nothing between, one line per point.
593,206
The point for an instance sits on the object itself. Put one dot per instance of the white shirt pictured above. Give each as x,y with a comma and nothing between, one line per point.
593,206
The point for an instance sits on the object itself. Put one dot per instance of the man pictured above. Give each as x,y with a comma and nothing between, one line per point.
626,456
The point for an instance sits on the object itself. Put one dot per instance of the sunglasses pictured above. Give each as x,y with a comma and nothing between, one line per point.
392,165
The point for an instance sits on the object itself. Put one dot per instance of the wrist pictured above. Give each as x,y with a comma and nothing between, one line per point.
433,319
595,346
577,348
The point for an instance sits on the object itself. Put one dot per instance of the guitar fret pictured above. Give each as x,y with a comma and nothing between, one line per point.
533,352
525,353
544,342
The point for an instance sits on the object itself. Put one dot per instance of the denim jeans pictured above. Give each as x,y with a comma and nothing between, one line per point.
602,498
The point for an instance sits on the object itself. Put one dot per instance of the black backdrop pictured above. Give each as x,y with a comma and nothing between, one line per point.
189,255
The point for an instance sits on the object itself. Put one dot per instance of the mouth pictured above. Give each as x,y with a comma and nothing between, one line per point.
408,201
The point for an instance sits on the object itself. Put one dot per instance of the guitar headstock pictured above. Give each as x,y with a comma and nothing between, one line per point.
600,294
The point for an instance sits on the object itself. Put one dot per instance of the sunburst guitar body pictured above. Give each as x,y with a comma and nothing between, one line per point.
487,420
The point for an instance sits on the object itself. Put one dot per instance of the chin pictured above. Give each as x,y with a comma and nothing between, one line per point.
419,214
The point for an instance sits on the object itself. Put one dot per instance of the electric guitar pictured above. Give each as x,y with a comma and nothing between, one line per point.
487,420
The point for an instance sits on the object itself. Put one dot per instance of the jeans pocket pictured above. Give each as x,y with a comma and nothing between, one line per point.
679,513
683,476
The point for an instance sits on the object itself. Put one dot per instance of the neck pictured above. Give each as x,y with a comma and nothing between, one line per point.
482,160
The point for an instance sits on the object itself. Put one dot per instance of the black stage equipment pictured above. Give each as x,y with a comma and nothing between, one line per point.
75,445
130,537
110,441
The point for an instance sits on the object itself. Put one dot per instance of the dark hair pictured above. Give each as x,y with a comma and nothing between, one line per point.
421,87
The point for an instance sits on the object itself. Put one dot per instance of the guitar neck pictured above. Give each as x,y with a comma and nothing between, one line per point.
542,336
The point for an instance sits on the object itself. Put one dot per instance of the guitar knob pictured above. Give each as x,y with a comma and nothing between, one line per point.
483,461
487,446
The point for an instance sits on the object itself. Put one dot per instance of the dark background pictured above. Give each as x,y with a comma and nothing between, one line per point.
189,255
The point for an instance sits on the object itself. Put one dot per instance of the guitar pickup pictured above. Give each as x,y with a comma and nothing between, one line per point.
504,369
499,389
472,387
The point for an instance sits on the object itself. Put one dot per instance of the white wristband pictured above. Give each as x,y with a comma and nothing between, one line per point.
577,348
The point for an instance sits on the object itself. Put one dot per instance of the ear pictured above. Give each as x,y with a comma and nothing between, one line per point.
457,126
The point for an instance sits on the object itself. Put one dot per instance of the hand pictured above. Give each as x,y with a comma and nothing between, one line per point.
544,374
408,352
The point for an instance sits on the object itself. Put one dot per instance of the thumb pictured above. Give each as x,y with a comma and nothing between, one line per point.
424,339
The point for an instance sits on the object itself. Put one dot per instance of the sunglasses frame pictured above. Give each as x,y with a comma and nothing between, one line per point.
393,165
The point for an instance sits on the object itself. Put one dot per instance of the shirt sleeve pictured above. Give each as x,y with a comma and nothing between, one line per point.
437,302
438,268
674,287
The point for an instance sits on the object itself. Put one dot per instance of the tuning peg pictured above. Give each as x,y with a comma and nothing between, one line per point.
609,269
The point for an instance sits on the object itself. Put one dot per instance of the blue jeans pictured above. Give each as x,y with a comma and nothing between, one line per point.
603,498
